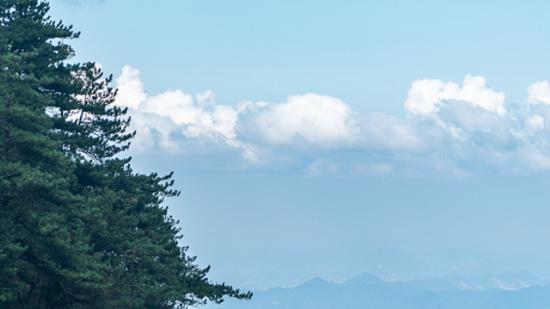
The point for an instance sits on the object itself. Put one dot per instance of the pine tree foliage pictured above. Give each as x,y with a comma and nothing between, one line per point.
80,228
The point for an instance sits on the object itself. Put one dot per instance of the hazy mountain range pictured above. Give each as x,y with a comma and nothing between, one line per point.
502,291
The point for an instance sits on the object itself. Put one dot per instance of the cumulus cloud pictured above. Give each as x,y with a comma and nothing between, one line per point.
426,96
131,92
383,131
471,124
312,118
158,118
449,128
539,92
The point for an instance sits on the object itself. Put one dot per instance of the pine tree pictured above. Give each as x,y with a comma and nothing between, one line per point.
80,228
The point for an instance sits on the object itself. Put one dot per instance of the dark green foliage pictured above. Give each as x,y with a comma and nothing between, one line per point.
79,228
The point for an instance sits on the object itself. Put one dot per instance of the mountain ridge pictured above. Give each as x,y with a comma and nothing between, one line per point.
365,291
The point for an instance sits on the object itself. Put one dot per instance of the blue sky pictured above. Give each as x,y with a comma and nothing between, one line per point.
329,138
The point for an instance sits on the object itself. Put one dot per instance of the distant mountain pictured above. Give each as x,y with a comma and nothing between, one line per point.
503,291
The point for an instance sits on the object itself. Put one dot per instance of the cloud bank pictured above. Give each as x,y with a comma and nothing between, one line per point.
450,128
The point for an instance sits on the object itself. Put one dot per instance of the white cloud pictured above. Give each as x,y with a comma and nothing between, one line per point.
449,129
205,97
159,117
130,88
382,131
470,124
153,132
193,118
427,95
312,118
539,92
